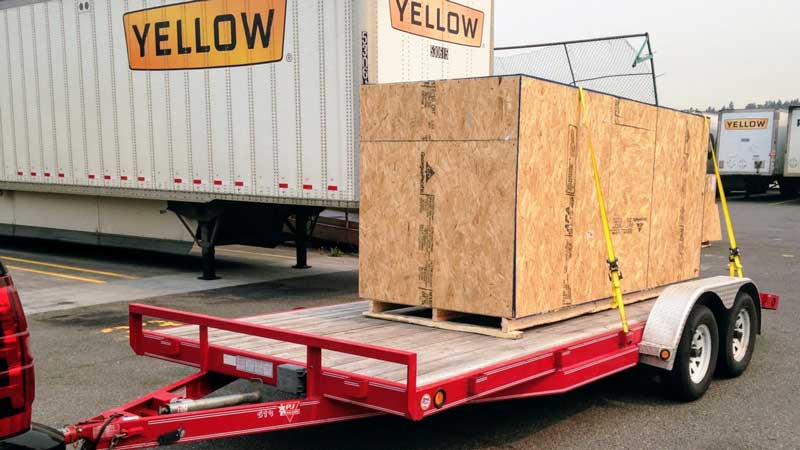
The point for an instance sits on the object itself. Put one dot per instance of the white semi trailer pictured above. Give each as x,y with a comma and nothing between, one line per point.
790,183
752,146
239,116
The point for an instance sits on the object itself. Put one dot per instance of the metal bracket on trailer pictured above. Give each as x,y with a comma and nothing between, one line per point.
671,311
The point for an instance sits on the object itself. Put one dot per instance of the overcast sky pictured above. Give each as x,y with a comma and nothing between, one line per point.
709,51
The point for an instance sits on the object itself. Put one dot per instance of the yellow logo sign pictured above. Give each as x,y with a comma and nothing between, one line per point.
746,124
205,34
441,20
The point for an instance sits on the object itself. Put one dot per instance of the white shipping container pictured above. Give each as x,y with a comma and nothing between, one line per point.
792,168
243,100
752,142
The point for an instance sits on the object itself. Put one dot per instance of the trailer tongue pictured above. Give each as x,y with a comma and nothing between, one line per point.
373,367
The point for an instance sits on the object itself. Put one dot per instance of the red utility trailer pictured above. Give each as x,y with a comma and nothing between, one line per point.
332,364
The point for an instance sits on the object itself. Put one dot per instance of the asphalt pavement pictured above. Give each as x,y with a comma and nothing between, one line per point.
84,365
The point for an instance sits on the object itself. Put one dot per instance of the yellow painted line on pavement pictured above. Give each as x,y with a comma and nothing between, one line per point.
57,275
72,268
244,252
157,323
785,202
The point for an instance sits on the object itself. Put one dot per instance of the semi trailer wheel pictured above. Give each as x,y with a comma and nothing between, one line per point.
738,333
696,357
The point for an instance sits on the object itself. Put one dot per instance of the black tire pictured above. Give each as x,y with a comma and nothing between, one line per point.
679,378
727,364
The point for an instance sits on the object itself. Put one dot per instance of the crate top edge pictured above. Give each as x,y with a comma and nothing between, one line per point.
522,76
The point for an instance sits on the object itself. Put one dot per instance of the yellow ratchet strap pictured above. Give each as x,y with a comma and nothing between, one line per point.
734,261
614,273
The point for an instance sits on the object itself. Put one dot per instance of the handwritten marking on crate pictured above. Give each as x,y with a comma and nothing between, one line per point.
569,214
426,232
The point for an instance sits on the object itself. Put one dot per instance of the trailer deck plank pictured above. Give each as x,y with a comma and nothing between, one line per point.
441,354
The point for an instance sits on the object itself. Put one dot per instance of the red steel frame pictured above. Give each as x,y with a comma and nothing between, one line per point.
331,395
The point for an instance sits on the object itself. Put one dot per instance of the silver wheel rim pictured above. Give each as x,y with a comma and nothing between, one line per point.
700,356
741,335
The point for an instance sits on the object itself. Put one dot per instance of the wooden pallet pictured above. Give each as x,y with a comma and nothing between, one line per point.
441,354
493,326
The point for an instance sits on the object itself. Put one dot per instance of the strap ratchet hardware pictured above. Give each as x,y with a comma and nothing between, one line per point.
614,273
735,267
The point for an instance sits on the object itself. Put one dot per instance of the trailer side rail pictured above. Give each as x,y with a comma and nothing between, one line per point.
331,395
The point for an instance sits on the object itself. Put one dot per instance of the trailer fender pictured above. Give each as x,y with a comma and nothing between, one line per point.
665,324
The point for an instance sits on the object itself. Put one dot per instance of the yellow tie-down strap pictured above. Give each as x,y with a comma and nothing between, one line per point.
734,261
613,264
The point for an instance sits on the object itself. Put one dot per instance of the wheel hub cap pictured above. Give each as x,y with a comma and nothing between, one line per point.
700,354
741,335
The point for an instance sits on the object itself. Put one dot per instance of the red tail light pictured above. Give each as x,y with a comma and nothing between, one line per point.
16,364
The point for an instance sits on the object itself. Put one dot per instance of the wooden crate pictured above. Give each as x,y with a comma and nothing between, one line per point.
477,196
712,226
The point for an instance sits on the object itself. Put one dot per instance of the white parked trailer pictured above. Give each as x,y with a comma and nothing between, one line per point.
752,146
189,104
790,183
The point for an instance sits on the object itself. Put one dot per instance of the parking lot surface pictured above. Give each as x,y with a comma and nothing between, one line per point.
84,365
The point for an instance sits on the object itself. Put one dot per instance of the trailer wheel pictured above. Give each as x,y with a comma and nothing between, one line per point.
738,332
696,357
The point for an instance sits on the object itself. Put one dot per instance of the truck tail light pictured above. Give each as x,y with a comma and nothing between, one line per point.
16,364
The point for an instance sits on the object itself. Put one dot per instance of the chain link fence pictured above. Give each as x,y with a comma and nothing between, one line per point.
620,65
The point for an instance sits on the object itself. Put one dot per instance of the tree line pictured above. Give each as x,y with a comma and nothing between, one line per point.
769,104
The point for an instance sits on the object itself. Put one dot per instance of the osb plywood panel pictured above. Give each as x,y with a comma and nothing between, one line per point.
554,141
625,160
680,166
438,172
548,167
712,228
389,222
471,198
461,110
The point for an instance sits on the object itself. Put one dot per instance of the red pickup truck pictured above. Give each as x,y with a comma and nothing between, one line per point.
16,378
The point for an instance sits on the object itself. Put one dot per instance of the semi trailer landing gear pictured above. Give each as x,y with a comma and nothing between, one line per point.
256,224
207,233
302,229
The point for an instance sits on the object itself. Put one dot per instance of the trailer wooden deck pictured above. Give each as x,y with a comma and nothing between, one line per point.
441,353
